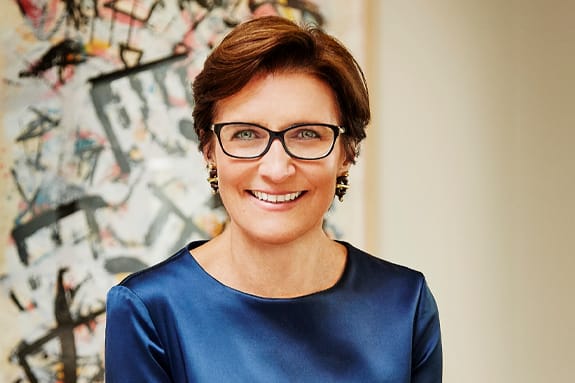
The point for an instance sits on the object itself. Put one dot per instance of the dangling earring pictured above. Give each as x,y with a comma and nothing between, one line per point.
213,178
341,186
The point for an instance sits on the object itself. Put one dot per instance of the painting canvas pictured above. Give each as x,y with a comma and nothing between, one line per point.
99,165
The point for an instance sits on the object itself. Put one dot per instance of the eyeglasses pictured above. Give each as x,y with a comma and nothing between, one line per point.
302,141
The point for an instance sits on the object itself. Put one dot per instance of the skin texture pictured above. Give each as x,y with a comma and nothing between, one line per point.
276,249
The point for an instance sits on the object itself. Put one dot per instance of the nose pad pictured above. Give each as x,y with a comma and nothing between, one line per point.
279,149
276,164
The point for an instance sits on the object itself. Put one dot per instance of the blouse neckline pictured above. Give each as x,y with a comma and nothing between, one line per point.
231,290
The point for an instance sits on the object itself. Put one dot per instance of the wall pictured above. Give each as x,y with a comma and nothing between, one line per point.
475,175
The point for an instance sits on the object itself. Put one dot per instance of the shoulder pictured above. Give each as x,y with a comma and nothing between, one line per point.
369,264
382,279
163,276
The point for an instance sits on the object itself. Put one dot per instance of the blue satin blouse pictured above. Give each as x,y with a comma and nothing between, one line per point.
175,323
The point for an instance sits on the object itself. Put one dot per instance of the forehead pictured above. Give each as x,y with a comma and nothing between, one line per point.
280,99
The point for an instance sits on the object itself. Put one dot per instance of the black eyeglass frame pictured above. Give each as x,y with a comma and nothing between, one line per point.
337,130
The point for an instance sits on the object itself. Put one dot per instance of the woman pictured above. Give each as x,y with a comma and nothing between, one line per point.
279,111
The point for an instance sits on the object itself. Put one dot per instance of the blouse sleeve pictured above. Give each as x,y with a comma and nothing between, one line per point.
133,351
427,353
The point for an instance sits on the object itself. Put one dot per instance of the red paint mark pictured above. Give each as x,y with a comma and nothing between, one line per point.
42,14
265,10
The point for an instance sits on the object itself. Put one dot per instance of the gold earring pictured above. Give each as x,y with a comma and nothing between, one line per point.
341,186
213,178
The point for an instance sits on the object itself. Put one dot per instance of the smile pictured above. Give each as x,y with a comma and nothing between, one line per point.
276,198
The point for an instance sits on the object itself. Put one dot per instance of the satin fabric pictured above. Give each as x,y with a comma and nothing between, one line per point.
173,322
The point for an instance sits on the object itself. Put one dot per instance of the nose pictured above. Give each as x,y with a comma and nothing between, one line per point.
276,165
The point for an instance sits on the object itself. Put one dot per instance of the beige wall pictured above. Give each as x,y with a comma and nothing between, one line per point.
474,141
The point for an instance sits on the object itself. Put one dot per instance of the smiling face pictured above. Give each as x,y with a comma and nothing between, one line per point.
276,199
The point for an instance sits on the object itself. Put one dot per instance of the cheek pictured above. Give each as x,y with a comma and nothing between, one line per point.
227,187
223,175
231,175
325,178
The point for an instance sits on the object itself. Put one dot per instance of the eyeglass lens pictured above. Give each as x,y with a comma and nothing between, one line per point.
302,141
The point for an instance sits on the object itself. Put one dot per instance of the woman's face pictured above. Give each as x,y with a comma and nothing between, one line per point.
255,191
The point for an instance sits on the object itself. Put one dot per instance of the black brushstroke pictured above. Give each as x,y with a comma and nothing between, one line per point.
112,5
126,50
112,76
67,52
75,14
124,264
35,129
186,129
88,204
24,349
17,302
29,201
88,153
102,95
209,4
166,210
66,324
64,331
39,126
172,150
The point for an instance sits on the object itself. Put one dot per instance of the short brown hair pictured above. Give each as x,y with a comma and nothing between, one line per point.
274,44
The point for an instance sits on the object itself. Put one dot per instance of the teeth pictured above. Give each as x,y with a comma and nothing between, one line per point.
276,198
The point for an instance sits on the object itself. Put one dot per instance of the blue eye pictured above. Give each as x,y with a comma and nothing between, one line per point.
308,134
311,132
245,135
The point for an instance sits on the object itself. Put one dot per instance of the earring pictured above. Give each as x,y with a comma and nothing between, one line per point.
341,186
213,178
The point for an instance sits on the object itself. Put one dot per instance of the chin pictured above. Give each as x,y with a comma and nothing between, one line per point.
276,238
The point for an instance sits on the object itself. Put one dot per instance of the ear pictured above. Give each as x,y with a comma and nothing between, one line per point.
209,154
344,166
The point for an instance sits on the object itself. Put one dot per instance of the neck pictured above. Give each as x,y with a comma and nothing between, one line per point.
309,264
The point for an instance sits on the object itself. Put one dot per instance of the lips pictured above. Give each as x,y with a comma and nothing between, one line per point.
276,198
